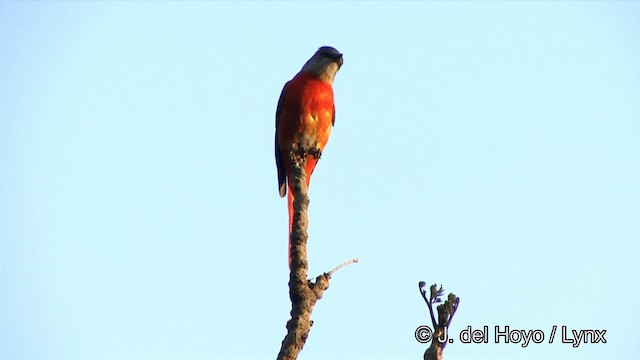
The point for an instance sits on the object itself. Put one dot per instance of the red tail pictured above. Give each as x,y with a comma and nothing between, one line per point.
290,202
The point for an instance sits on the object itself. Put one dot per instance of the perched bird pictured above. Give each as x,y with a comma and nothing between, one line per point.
304,117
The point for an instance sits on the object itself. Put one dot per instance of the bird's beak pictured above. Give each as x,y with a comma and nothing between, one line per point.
339,59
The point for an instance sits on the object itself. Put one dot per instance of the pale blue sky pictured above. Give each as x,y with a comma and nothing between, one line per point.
492,147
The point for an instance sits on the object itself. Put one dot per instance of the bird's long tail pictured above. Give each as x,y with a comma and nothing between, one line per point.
290,204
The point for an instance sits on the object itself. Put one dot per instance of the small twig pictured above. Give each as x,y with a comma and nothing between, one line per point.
330,273
421,285
453,312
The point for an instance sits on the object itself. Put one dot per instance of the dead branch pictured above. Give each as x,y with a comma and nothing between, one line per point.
303,293
445,315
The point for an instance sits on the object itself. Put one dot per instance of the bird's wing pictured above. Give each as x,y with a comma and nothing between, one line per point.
282,176
333,121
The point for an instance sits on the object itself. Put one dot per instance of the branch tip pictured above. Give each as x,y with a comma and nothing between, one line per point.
350,261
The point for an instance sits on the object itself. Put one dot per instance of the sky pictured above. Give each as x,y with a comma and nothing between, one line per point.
491,147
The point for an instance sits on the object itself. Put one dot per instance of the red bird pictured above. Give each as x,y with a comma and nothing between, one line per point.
304,118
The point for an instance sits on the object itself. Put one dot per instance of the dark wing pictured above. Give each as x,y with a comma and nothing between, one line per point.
282,176
333,121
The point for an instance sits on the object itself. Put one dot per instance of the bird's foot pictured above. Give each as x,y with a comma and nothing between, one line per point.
315,152
303,153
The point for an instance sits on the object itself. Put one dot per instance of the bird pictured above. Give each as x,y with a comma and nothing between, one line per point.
304,117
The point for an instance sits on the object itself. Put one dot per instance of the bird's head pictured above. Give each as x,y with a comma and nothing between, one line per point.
325,63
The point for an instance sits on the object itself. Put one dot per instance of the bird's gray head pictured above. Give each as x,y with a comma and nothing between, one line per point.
325,63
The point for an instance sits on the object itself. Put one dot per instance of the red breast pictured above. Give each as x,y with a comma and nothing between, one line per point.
307,113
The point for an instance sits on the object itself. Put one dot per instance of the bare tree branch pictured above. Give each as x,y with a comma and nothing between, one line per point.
445,315
303,293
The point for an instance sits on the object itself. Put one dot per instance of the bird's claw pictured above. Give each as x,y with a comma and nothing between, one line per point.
316,153
303,153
